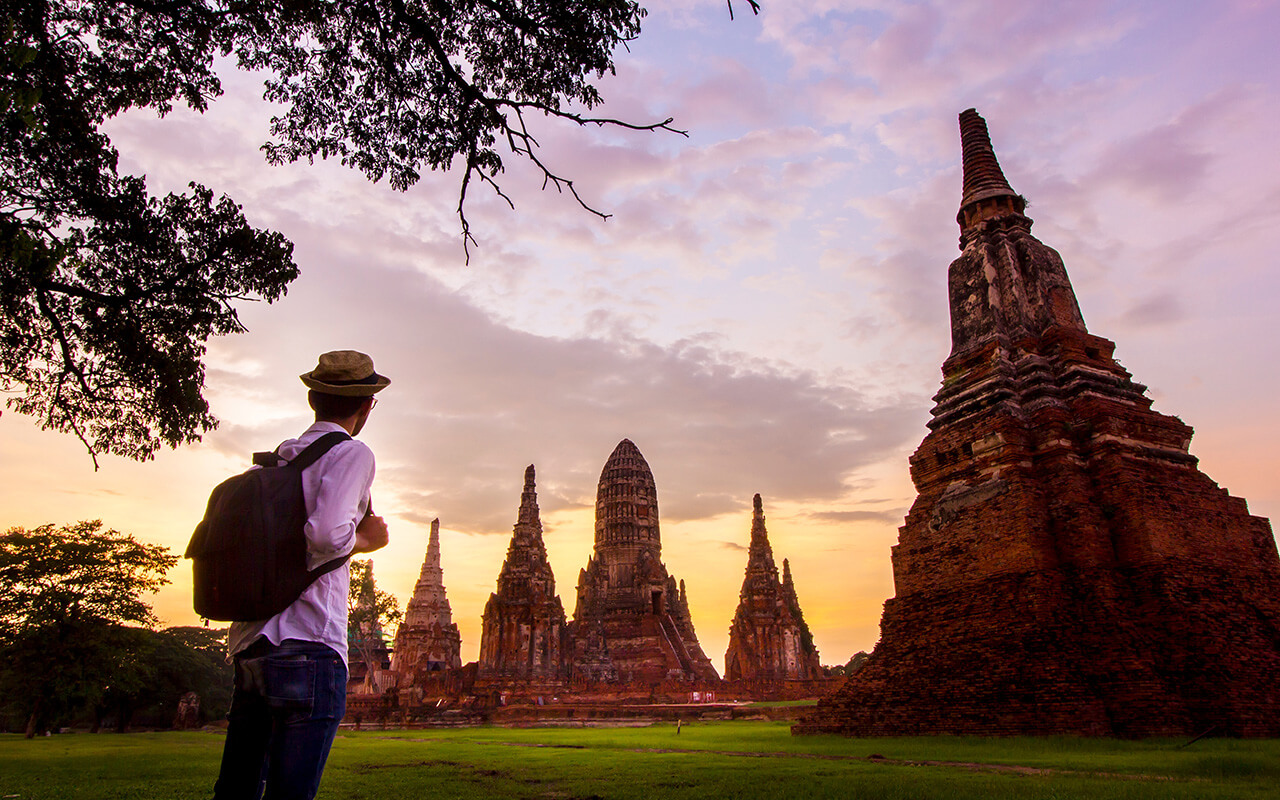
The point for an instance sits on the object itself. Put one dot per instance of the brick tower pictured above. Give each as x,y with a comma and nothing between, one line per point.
632,620
1066,567
428,637
768,640
524,626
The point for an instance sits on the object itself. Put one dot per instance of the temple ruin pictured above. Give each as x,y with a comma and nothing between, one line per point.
1066,567
769,641
428,638
524,625
630,645
631,622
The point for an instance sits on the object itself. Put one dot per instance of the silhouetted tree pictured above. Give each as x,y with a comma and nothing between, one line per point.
155,669
193,659
66,596
854,664
108,295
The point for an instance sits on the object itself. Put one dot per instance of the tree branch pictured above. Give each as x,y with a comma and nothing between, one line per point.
755,8
68,358
665,125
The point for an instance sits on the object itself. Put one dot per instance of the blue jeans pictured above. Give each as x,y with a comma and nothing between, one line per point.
285,711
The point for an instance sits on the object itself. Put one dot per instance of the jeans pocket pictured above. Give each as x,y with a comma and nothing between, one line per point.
289,687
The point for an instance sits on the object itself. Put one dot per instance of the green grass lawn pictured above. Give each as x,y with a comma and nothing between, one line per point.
705,760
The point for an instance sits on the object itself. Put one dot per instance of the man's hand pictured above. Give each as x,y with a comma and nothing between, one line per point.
371,534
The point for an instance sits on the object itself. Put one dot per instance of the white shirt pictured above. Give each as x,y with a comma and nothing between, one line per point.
336,492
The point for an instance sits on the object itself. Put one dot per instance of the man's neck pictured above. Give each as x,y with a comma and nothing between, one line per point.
348,423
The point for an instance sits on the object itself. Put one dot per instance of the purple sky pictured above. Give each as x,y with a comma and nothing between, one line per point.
766,309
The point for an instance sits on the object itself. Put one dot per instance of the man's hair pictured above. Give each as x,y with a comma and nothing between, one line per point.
333,406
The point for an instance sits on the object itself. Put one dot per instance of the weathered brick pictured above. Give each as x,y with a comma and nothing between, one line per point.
428,637
768,639
1066,567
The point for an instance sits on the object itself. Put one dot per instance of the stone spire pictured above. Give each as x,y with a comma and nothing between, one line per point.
768,639
762,572
524,623
626,507
428,637
528,521
760,549
986,192
793,604
1007,285
431,575
1066,568
526,569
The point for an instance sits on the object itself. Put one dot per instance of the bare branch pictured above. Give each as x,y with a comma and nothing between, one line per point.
665,125
57,401
755,8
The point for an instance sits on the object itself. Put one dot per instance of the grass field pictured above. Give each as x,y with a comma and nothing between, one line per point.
705,760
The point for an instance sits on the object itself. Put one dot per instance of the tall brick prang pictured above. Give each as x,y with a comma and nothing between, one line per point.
523,636
768,639
632,620
1066,567
428,637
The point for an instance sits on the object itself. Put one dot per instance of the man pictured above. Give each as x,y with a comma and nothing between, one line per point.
291,669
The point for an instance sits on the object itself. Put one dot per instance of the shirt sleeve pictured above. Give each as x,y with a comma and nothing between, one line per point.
341,484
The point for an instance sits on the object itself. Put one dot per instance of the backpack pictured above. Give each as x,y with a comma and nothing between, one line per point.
249,553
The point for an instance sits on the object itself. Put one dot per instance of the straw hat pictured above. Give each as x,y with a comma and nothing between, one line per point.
345,373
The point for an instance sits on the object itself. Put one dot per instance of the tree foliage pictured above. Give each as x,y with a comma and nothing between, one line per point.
108,295
392,87
370,611
157,668
67,598
854,664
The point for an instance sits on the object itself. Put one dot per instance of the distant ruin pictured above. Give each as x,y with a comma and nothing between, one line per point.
1066,567
769,641
428,638
632,622
631,642
523,636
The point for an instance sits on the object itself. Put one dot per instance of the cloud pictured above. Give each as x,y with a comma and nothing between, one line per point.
714,424
88,493
1162,308
894,515
1162,161
868,60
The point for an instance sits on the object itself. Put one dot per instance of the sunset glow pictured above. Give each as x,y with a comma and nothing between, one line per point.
765,310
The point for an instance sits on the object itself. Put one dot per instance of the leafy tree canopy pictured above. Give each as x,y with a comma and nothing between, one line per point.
66,595
154,669
77,573
108,295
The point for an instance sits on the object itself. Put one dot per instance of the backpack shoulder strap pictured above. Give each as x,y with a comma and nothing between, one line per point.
318,448
327,567
305,459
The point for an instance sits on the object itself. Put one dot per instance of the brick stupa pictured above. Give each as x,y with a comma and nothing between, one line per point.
1066,567
768,639
632,622
428,637
523,633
